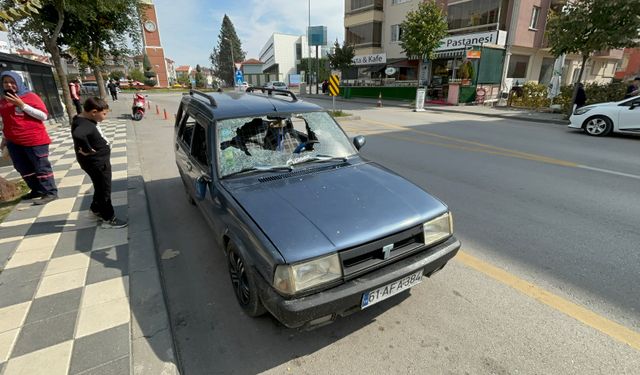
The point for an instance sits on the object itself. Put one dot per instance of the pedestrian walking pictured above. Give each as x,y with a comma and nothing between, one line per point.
325,86
93,152
633,89
113,89
581,96
74,90
26,138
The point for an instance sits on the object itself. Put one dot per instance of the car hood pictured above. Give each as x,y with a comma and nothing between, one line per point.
327,210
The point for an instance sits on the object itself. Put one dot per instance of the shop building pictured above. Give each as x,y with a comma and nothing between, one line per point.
502,40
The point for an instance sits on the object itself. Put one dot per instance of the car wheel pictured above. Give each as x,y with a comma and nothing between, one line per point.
598,126
243,282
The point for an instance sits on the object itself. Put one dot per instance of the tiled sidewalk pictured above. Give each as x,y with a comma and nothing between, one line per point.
64,285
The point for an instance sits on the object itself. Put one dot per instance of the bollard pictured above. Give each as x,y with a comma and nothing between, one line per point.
148,105
165,114
379,103
157,110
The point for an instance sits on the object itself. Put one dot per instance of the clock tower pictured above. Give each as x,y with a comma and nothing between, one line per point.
151,40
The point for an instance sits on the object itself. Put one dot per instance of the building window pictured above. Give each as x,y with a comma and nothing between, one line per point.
298,51
518,65
366,35
399,1
362,4
546,71
472,14
396,33
534,18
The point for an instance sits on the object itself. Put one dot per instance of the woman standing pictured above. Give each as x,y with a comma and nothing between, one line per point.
26,138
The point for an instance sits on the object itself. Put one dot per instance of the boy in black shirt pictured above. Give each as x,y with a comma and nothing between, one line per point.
93,152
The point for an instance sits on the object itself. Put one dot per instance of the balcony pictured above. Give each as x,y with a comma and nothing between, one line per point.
615,54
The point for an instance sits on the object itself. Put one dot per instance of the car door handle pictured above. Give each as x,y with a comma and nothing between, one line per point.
189,166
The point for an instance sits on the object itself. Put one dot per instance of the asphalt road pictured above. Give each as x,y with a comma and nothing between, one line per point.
546,283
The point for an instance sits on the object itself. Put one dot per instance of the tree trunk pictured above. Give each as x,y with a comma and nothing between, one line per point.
98,73
575,84
66,95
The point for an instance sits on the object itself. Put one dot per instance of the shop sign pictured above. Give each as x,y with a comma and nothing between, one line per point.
473,54
390,71
378,58
475,39
420,96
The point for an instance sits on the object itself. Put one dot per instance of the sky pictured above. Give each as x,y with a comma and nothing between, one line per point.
189,28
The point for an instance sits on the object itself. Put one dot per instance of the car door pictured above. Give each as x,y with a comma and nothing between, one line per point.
184,136
629,115
201,161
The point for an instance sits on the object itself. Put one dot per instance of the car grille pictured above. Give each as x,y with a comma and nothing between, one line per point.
302,172
367,257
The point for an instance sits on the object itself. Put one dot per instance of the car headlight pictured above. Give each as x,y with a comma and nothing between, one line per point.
438,229
291,279
582,111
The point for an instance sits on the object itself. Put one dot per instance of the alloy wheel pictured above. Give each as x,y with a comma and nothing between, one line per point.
596,126
239,278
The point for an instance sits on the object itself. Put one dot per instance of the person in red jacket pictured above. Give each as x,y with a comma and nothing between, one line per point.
25,136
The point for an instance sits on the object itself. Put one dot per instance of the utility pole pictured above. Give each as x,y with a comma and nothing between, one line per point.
309,49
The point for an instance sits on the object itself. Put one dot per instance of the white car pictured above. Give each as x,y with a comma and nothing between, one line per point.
603,118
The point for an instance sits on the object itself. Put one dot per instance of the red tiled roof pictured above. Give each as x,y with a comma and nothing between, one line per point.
183,68
252,62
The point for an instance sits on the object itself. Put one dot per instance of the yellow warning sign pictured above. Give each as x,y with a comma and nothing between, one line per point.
334,85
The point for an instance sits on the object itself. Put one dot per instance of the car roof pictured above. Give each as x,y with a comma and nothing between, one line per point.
234,104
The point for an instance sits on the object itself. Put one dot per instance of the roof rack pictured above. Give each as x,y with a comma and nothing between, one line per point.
270,91
212,101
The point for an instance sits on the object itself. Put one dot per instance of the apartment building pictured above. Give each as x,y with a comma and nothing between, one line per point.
281,54
508,36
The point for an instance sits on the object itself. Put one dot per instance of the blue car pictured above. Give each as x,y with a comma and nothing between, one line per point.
310,229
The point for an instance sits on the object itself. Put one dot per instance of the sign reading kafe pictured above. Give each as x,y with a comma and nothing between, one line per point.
378,58
476,39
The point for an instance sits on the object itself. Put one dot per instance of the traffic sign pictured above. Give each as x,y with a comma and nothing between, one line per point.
239,77
334,88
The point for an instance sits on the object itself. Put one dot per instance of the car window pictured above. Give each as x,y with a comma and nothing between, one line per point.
186,130
628,103
199,144
286,140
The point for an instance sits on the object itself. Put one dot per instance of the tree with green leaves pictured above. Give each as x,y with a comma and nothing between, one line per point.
149,73
97,30
588,26
42,30
136,75
227,52
323,63
342,57
116,75
17,10
199,77
422,31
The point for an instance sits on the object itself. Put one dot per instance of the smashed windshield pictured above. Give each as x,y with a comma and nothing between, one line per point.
259,143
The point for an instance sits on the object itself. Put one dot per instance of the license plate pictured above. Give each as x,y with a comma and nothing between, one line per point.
374,296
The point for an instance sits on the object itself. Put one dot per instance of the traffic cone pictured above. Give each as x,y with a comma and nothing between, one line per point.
157,110
165,114
379,103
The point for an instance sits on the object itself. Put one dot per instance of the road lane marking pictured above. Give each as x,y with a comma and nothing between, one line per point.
573,310
493,150
609,171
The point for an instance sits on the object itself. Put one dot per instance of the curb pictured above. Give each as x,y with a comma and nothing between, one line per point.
152,349
405,105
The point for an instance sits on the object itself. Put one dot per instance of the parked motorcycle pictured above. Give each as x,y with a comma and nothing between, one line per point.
137,110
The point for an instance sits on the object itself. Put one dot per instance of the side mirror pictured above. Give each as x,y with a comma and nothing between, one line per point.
633,106
201,187
359,141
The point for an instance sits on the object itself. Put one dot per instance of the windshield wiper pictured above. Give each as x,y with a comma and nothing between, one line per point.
318,157
262,168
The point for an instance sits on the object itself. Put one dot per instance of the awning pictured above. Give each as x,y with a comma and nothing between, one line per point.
403,63
449,54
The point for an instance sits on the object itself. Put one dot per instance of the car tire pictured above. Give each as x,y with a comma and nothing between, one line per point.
598,126
243,282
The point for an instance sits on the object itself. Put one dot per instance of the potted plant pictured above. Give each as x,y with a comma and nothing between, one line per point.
465,72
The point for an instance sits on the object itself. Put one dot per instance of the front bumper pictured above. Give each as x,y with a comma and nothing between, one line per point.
576,121
345,299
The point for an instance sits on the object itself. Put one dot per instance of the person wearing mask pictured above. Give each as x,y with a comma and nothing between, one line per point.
93,152
633,89
26,138
113,89
74,90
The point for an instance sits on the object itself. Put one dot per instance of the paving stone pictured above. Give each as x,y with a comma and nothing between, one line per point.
17,293
91,351
83,203
6,250
49,224
45,333
54,305
22,274
73,242
119,366
68,192
23,211
107,264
